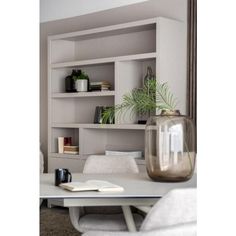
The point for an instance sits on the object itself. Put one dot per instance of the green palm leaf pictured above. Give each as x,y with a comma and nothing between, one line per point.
152,96
164,98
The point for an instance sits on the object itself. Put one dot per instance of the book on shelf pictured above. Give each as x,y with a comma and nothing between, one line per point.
67,141
92,185
71,149
100,86
60,142
65,146
71,152
134,154
100,83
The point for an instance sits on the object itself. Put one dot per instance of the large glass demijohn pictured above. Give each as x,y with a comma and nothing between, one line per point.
170,147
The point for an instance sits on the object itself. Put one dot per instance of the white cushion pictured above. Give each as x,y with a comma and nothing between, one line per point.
176,207
108,222
97,164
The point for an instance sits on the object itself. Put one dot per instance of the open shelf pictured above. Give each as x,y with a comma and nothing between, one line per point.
108,60
84,94
105,42
140,161
99,126
62,155
70,156
124,28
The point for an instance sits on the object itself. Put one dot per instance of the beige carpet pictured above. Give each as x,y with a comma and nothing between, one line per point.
55,222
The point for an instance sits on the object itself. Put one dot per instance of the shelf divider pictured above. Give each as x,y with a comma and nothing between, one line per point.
70,64
99,126
84,94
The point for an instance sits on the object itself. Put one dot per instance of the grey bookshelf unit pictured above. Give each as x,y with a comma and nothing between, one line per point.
119,54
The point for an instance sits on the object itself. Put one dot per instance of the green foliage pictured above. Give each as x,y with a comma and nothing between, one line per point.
83,75
165,100
152,96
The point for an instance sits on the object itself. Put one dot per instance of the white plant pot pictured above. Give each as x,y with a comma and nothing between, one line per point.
81,85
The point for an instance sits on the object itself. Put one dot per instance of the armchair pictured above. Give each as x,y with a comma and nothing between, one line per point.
173,215
109,218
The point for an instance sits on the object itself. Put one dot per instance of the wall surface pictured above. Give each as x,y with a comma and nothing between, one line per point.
175,9
60,9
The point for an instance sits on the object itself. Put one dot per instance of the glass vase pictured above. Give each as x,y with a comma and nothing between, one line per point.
170,147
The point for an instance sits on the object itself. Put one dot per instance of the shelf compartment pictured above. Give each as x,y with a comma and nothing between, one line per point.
74,110
128,27
63,132
96,73
84,94
99,126
110,139
135,71
108,60
134,38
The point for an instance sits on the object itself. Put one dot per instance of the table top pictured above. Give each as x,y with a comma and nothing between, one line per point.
135,186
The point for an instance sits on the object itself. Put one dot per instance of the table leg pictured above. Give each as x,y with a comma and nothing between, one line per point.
144,209
129,218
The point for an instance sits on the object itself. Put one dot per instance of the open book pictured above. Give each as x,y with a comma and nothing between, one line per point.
92,185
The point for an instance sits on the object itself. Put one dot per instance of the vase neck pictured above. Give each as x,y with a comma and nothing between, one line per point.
170,113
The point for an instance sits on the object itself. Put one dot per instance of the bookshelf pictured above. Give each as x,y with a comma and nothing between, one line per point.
120,55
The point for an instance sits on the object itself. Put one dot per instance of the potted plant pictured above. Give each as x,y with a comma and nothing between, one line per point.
81,81
143,101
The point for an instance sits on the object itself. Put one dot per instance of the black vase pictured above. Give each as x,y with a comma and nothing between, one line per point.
98,115
70,84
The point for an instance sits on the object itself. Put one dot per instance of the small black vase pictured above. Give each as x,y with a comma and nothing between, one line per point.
98,115
69,84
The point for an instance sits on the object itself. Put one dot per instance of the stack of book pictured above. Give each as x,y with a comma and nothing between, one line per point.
71,149
65,146
100,86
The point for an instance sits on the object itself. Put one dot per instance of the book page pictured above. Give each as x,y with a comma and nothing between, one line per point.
91,185
104,185
78,186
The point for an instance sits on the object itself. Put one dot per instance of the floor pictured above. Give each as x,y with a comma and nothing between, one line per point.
55,222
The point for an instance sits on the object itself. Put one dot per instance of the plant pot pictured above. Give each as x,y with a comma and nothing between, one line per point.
170,147
81,85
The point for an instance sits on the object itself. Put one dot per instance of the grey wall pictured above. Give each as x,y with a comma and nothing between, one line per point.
60,9
176,9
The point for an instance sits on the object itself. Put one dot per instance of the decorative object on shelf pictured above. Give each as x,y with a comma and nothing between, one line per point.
143,116
170,147
98,116
100,86
70,82
60,142
81,81
149,75
71,149
65,146
144,101
67,141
